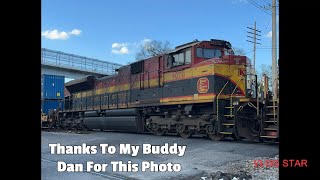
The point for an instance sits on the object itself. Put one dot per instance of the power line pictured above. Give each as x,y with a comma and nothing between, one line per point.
248,52
258,6
258,49
267,2
268,24
267,48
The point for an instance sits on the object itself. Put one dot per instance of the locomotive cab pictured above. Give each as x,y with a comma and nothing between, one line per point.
195,52
213,49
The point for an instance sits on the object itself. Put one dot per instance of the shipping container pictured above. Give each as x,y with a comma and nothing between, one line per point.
52,87
47,105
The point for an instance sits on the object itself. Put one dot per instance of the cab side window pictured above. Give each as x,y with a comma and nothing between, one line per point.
180,58
188,57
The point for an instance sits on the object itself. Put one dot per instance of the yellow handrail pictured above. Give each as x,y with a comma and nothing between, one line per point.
218,99
234,90
274,106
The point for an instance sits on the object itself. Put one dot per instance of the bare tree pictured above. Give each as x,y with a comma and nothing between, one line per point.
238,51
152,48
265,69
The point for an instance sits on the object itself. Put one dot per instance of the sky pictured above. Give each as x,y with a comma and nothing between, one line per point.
114,30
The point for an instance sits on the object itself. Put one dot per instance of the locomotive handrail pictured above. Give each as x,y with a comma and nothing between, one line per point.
218,99
222,89
274,105
234,90
134,81
147,72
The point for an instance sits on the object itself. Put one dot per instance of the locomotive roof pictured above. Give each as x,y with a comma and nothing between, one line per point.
78,81
195,42
106,77
186,45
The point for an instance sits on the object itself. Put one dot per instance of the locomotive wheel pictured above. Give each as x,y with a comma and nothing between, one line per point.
216,137
212,135
64,125
159,132
180,128
185,134
69,126
81,126
50,125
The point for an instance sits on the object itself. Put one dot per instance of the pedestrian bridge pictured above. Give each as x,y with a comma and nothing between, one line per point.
74,66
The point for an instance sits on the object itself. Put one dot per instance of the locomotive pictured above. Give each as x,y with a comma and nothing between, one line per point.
199,88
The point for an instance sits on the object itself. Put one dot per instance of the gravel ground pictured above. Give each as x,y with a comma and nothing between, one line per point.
241,170
265,173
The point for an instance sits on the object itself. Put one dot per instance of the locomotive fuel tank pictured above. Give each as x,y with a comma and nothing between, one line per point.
127,120
120,123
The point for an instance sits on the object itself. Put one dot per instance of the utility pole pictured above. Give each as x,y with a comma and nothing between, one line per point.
254,38
274,52
254,29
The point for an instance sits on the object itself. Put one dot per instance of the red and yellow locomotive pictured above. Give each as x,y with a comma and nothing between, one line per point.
198,88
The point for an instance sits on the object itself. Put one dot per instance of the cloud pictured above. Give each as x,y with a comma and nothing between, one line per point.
120,48
269,34
55,34
75,32
119,45
62,35
123,48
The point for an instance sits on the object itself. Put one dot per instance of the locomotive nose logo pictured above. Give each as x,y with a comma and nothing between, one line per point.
242,71
203,85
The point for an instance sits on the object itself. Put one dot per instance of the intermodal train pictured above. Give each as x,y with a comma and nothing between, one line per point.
199,88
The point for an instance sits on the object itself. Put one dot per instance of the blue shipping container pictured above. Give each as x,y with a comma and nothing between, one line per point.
47,105
52,87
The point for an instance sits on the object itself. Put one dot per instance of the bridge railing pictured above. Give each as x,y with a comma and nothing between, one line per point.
71,61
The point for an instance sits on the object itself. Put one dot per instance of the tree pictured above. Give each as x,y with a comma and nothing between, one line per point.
152,48
238,51
265,69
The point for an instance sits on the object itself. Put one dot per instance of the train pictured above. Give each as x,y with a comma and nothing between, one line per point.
198,88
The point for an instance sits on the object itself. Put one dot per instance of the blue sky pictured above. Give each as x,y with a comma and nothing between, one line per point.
113,30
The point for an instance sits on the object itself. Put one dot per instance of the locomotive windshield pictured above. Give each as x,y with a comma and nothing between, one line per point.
208,53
